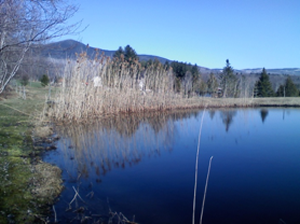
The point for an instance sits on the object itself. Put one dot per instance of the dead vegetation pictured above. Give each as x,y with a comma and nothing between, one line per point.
122,89
47,182
125,88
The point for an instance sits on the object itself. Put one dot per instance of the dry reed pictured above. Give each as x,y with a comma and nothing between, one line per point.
196,176
78,99
205,189
196,168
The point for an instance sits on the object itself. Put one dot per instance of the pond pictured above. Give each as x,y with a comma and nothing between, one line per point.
143,167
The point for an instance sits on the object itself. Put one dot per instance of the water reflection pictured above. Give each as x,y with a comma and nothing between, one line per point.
152,162
211,113
119,141
227,117
263,114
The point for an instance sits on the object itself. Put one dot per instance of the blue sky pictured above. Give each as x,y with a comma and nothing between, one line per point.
250,33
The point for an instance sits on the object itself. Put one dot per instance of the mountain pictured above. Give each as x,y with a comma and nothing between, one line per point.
69,48
281,71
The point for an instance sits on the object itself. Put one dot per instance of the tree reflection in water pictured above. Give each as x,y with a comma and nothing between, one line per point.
211,113
227,117
263,114
118,141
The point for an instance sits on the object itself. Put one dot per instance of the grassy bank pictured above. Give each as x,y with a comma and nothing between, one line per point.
246,102
27,184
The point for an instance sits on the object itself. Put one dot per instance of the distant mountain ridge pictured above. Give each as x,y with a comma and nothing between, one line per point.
280,71
69,48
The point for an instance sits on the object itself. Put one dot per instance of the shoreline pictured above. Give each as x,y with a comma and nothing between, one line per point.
186,104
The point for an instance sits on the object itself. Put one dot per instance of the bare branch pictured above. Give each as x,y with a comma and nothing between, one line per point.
27,22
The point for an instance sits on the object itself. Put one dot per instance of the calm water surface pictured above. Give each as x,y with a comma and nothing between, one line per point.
144,167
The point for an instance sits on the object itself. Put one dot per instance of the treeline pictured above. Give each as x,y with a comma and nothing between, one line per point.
189,81
184,78
263,87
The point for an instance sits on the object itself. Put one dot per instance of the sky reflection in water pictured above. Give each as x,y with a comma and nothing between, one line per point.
144,166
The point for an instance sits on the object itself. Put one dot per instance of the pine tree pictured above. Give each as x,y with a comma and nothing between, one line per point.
197,82
290,88
212,84
281,91
167,65
118,53
130,54
229,81
263,86
45,80
194,70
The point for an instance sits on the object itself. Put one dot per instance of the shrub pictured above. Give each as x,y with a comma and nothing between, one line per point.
45,80
24,80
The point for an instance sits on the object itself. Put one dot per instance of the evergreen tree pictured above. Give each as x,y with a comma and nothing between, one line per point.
130,54
167,65
229,81
281,91
179,68
196,79
45,80
129,59
194,70
263,86
289,89
24,80
187,75
118,53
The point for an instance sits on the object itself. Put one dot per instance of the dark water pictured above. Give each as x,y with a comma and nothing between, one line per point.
144,167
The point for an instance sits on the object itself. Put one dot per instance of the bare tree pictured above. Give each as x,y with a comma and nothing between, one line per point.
212,85
187,83
27,22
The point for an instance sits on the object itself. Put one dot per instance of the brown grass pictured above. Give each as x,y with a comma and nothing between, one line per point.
120,91
79,100
47,182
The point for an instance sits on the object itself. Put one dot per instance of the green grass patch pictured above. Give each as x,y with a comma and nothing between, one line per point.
16,199
18,204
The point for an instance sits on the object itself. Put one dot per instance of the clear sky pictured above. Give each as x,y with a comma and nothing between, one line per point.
250,33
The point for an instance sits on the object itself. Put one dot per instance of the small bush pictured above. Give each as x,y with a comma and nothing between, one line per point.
45,80
24,80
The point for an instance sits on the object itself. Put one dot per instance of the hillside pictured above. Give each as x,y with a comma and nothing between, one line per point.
69,48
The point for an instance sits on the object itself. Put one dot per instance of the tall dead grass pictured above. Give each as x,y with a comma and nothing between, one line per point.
120,89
